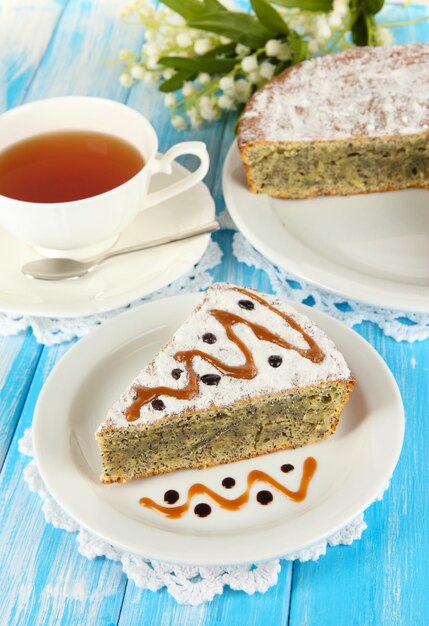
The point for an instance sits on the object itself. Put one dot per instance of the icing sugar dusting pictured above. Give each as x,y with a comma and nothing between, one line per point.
295,370
363,92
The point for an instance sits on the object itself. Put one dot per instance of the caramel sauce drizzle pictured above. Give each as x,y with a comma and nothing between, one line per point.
247,371
308,471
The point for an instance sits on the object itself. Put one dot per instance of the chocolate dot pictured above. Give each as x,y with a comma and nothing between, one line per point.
246,304
202,510
158,404
228,482
209,338
275,361
287,467
210,379
176,373
171,496
264,497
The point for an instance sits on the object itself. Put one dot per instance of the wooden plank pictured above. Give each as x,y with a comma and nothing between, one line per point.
25,33
47,581
78,60
233,608
19,356
144,607
381,580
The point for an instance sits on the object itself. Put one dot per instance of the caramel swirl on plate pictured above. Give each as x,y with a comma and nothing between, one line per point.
308,471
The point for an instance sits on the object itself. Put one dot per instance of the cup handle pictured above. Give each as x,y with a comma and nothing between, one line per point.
162,165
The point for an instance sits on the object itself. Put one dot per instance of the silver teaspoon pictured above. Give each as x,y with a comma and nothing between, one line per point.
61,269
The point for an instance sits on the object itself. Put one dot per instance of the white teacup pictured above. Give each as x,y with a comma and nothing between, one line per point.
83,228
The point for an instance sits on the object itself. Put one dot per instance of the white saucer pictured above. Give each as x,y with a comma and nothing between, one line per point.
121,280
373,247
354,465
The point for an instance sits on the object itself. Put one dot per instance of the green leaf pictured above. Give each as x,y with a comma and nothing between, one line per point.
269,17
200,64
299,47
360,31
224,49
372,6
186,8
283,65
239,27
214,5
306,5
176,82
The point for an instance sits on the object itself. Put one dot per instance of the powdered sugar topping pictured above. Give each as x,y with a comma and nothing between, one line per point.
363,92
295,370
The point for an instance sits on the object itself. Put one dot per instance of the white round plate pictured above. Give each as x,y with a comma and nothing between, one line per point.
123,279
373,247
354,465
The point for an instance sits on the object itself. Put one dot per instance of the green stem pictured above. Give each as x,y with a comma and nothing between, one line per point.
404,22
341,33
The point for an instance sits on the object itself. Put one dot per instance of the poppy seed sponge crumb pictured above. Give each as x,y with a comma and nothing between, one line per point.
216,436
244,375
346,123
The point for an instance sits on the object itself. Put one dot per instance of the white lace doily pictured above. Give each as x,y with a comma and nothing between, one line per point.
50,331
400,326
187,584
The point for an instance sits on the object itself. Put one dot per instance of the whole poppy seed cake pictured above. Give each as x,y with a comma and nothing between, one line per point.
346,123
244,375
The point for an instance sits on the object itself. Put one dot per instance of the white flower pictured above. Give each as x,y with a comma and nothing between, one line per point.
323,30
242,89
204,78
150,77
188,88
151,49
208,113
225,102
266,69
241,50
124,55
273,47
341,7
183,40
194,117
168,73
249,63
152,63
334,20
285,53
384,36
178,122
137,71
170,100
201,46
254,77
226,83
126,80
205,102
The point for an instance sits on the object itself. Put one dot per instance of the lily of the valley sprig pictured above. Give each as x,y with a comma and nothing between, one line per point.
208,58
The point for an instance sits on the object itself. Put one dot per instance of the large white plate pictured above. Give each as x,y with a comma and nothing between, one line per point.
353,466
121,280
372,247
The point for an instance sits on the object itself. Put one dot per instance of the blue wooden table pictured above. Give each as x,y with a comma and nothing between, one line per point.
56,47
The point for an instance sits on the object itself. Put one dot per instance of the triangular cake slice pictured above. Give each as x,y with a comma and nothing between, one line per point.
244,375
